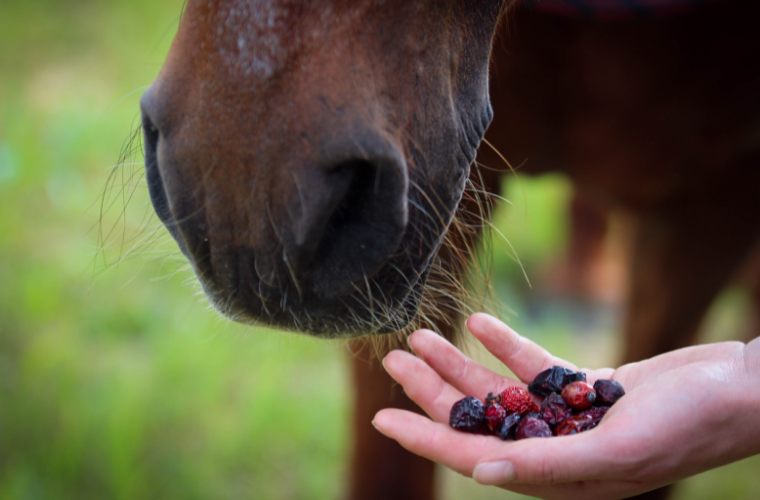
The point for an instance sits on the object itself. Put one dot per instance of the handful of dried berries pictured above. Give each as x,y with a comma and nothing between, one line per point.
570,406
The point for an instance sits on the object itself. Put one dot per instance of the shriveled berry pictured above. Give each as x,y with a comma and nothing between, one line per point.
494,414
607,392
574,425
517,400
554,409
509,426
579,395
532,427
554,380
467,415
595,413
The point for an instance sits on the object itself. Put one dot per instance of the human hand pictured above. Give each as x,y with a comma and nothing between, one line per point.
684,412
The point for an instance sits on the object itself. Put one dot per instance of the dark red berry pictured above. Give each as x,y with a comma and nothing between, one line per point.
531,427
554,409
595,413
467,415
579,395
494,414
509,426
574,425
554,380
607,392
517,400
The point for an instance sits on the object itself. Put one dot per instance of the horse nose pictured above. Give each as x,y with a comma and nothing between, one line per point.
353,220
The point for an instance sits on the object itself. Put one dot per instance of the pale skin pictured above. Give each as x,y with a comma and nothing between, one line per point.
684,412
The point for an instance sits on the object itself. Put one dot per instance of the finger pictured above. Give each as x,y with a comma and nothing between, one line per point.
437,442
422,384
633,374
455,368
589,456
525,358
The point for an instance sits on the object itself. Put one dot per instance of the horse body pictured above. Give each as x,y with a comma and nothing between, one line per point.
309,156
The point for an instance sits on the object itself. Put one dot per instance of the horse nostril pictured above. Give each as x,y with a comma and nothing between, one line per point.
366,225
156,188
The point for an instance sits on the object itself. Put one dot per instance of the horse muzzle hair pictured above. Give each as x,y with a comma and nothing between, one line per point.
308,157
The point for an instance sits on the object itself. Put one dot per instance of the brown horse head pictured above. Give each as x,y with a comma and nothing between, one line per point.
308,155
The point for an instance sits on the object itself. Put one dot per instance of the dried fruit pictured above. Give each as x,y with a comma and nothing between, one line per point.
607,392
494,413
554,409
579,395
517,400
554,380
512,414
467,415
595,412
574,425
531,427
509,426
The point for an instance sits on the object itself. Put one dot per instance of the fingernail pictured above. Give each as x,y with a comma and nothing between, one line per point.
386,370
409,343
492,473
378,429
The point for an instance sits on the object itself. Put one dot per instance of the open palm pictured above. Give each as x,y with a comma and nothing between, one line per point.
684,412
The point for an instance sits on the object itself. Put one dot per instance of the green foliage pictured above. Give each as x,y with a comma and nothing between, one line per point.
120,382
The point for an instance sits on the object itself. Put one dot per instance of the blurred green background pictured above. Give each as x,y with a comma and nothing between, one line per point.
116,379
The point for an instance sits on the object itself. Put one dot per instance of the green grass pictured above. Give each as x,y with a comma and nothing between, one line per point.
117,381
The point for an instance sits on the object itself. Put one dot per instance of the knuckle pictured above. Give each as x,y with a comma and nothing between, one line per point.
543,472
464,370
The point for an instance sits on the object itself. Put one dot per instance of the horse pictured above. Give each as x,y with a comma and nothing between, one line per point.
310,158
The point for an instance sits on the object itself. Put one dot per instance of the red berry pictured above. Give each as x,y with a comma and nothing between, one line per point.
517,400
532,427
495,414
574,425
554,409
467,415
579,395
607,392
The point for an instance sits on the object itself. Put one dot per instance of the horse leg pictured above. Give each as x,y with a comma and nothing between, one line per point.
380,468
683,254
682,258
588,228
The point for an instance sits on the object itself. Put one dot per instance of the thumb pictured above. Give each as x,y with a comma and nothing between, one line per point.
580,457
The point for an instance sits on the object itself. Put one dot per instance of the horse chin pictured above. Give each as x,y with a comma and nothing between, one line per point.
336,322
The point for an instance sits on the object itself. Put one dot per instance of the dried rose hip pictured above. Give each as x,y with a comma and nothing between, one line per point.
517,400
574,425
554,409
579,395
595,413
467,415
494,413
607,392
531,427
509,426
554,380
